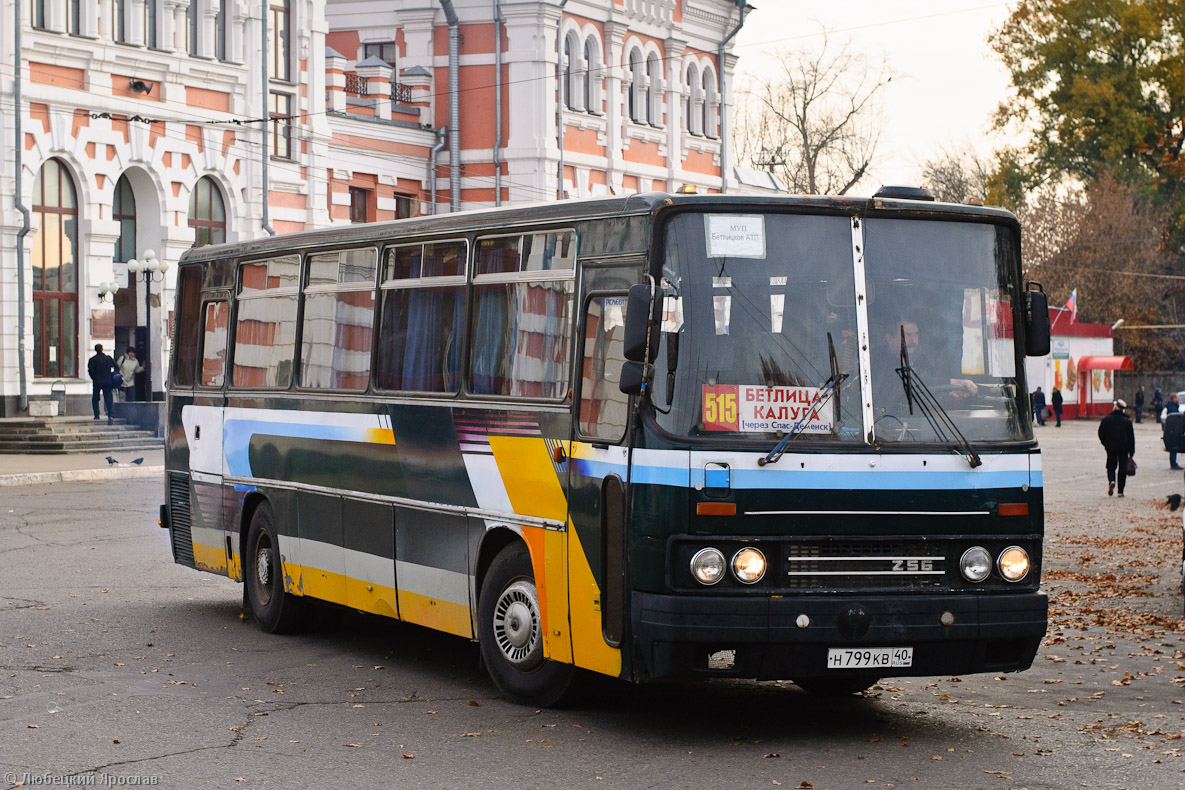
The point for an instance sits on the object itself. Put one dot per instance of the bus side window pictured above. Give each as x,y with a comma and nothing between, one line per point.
338,315
603,407
189,305
265,328
422,312
215,326
522,316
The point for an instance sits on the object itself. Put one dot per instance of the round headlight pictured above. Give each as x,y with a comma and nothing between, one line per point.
707,566
748,565
1013,563
975,564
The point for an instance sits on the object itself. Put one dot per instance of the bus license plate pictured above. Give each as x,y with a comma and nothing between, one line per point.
869,657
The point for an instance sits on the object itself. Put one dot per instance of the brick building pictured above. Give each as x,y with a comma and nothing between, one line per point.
159,124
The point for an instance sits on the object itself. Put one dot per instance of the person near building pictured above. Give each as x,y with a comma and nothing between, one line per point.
1039,406
1174,429
1157,403
1140,404
1118,438
129,366
1055,400
100,368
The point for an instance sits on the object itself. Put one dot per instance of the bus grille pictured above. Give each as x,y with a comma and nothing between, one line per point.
181,519
865,565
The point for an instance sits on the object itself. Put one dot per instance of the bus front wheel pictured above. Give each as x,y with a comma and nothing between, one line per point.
510,634
275,610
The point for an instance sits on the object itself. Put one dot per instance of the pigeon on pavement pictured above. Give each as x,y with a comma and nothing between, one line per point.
112,461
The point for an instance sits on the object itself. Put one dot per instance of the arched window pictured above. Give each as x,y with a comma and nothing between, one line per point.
123,211
690,106
654,91
569,83
709,104
207,213
635,97
591,72
55,273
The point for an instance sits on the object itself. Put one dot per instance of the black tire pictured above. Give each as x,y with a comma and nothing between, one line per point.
836,687
275,610
510,634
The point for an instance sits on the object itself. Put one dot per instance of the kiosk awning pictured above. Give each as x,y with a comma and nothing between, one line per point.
1106,363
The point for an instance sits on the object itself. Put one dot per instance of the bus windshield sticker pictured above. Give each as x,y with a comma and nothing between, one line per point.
721,282
722,306
735,235
755,408
777,308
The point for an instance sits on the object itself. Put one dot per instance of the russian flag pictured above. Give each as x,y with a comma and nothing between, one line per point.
1072,303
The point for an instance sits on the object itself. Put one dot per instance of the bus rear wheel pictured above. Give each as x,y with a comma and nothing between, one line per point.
510,634
836,687
275,610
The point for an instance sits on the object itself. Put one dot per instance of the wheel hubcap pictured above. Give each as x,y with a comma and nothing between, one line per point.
263,572
516,624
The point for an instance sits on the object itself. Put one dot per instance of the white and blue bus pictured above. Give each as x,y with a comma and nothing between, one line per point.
646,437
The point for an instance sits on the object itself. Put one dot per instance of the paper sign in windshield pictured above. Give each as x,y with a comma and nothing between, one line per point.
746,408
735,235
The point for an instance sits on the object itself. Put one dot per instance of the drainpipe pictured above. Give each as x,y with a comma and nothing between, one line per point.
266,125
441,134
23,404
560,97
497,102
724,165
454,104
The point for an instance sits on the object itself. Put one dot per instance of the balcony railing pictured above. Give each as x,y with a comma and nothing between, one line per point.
400,94
355,85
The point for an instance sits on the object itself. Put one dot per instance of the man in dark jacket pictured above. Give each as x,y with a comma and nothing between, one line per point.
1056,399
1140,404
1119,438
100,368
1039,406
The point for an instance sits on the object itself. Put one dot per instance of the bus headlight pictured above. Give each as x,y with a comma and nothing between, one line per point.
1013,563
975,564
748,565
707,566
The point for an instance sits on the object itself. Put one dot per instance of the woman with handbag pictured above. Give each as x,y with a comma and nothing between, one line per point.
1118,437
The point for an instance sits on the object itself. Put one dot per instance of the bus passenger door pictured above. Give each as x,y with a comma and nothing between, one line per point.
597,469
214,544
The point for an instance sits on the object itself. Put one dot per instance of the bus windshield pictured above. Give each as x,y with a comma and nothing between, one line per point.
759,328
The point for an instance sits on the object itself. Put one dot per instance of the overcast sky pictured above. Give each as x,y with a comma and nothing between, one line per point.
946,80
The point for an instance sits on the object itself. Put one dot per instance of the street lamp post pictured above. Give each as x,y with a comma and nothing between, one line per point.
150,267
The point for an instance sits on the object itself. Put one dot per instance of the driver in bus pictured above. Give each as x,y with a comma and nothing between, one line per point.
924,364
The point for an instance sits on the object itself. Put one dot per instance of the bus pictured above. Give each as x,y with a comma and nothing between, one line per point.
655,436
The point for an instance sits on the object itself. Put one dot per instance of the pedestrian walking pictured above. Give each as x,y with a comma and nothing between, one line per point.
101,368
1039,406
1056,399
1118,437
129,366
1157,403
1140,404
1174,429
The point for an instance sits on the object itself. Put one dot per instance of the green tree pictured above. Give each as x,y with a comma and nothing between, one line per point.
1100,84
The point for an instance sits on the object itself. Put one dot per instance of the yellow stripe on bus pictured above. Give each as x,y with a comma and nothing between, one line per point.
584,606
529,476
452,618
209,558
380,436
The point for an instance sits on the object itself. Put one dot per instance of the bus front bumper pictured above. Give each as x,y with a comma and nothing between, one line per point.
785,638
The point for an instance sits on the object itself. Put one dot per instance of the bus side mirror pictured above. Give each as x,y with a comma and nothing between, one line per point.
1036,321
641,325
633,376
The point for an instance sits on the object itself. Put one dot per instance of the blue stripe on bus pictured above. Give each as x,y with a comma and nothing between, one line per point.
833,480
237,434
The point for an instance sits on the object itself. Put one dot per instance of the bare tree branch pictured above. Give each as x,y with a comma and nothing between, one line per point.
814,125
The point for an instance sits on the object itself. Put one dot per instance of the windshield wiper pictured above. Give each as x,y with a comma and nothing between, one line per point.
940,422
829,389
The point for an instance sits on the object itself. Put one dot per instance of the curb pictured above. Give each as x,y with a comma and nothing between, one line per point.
82,475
